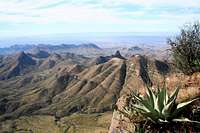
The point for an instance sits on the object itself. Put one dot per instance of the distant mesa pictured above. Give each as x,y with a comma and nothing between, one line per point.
135,48
90,45
72,46
48,48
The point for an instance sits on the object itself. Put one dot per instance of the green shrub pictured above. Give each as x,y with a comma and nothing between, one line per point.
186,49
157,108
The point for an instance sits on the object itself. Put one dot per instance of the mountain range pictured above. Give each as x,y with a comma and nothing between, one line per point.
44,83
49,84
49,48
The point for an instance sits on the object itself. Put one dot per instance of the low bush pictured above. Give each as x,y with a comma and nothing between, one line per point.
185,49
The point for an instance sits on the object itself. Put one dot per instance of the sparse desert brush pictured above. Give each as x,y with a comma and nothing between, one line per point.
186,49
158,111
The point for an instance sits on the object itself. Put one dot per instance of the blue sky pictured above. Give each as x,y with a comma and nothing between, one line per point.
35,17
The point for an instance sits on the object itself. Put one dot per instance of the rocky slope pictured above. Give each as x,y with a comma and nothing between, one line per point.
16,65
93,90
28,82
142,71
61,85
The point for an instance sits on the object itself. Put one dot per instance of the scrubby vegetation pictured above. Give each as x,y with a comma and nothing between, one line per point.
157,111
186,49
76,123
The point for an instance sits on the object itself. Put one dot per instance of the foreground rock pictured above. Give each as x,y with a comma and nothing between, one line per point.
190,88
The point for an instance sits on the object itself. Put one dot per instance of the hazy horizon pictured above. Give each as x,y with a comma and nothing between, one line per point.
102,39
105,22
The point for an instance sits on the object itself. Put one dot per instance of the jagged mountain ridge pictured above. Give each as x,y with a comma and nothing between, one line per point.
69,85
143,71
103,59
93,90
38,91
23,63
50,48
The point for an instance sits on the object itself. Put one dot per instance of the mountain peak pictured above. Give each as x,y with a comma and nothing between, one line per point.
104,59
90,45
20,54
118,55
135,48
24,59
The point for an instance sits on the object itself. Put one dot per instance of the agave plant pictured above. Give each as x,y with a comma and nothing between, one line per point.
158,107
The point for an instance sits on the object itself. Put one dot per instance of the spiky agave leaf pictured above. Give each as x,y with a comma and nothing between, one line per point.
185,120
141,108
145,112
166,97
166,112
163,121
136,97
181,106
150,96
174,94
158,106
161,99
145,103
129,112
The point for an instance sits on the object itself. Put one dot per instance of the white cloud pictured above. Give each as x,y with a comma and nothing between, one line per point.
156,3
31,12
96,12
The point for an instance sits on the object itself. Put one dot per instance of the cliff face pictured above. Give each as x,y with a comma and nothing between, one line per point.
141,71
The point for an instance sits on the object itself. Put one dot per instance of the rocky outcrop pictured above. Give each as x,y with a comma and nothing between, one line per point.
103,59
190,88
